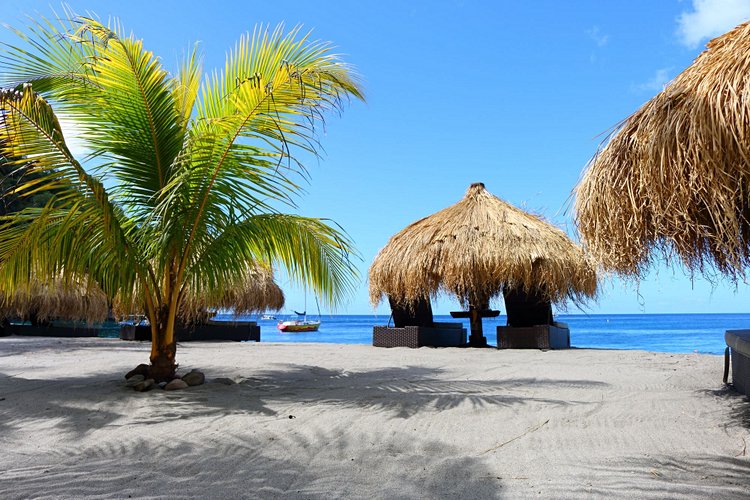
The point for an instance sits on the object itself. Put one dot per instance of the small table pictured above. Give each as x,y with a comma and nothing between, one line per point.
475,315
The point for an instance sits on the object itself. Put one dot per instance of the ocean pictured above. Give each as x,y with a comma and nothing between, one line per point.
680,333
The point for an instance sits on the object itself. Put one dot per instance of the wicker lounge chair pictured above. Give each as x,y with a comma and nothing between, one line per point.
530,323
414,327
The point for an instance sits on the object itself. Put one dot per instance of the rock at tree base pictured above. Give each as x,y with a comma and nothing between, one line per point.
176,384
145,385
194,378
134,380
141,369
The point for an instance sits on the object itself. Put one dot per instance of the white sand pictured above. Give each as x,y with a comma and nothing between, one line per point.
368,423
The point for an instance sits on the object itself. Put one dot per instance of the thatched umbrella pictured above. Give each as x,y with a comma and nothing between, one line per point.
75,300
255,291
674,180
475,250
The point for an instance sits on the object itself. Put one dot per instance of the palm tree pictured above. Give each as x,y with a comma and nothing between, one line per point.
182,188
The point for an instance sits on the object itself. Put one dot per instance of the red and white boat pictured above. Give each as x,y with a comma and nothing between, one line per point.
301,324
298,325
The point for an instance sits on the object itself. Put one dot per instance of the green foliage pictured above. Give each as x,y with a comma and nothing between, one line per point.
190,171
11,177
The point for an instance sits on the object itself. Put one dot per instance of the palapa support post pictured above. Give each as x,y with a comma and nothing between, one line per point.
475,315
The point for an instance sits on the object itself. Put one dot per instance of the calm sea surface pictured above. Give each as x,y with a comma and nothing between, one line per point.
685,333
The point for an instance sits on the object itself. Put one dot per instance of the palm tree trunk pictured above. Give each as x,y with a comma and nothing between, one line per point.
163,351
163,347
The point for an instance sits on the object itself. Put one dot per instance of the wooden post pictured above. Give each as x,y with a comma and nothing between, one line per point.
475,315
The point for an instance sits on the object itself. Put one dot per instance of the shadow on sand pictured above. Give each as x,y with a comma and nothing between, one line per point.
270,463
708,476
740,405
399,392
348,466
273,456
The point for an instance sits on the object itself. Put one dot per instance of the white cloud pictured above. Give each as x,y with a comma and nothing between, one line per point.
656,83
597,36
710,18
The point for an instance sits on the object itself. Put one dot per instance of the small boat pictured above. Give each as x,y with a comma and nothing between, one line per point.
268,316
298,325
301,324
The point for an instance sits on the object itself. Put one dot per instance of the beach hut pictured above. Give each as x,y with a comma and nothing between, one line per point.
76,301
475,250
673,180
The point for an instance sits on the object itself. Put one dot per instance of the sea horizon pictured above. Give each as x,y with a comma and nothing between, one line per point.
658,332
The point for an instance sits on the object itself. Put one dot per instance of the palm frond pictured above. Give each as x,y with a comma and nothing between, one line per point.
273,87
187,86
51,58
312,252
133,115
30,134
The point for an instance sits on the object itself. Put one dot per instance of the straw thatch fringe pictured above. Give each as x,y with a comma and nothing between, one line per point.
255,291
476,248
75,301
674,180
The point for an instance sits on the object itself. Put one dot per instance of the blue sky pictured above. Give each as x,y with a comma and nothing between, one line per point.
517,95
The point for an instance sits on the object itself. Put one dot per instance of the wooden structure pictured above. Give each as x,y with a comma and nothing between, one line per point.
476,250
475,315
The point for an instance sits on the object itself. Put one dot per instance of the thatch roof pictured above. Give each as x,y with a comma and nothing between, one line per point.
474,249
76,300
674,180
255,291
81,300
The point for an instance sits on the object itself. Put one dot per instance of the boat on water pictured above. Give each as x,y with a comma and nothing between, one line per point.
298,325
301,324
268,316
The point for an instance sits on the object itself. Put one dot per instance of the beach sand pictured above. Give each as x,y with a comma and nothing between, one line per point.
324,421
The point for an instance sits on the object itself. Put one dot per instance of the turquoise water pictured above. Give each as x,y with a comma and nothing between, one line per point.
684,333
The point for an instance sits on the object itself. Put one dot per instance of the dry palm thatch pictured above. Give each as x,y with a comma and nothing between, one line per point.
255,292
674,180
476,248
77,300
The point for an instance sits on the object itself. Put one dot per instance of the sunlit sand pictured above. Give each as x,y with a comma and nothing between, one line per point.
354,421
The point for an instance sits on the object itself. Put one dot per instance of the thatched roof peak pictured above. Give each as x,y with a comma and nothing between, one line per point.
474,249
